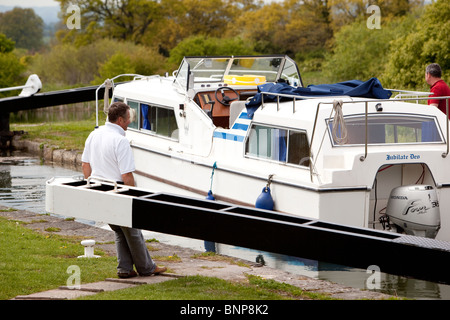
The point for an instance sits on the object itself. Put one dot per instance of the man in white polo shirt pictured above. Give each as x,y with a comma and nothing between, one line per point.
107,154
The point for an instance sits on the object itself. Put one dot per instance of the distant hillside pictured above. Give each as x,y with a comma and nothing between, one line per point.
48,14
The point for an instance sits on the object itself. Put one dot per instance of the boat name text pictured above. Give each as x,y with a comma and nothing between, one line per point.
410,156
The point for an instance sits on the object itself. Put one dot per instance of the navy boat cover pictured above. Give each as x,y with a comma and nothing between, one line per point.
354,88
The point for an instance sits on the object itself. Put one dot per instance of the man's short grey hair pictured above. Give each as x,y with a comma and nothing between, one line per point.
116,110
434,70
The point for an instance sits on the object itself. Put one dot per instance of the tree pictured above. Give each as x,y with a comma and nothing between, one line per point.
428,42
6,44
345,12
68,64
24,27
11,69
131,59
186,18
285,27
117,64
202,45
361,53
119,19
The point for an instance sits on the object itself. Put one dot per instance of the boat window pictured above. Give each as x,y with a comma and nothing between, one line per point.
159,120
298,148
267,67
389,129
291,74
278,144
208,69
134,112
183,75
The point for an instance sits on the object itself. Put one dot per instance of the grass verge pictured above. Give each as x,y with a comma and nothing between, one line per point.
32,262
208,288
68,135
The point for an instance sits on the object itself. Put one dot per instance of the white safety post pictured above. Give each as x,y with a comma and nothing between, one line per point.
88,249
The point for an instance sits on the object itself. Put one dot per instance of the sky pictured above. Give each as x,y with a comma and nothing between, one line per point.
29,3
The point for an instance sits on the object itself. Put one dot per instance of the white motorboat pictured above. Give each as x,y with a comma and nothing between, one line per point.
362,161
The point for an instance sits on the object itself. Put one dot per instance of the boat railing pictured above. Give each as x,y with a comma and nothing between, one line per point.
109,84
408,93
366,107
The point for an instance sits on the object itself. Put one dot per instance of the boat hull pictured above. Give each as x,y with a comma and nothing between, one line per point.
351,206
162,172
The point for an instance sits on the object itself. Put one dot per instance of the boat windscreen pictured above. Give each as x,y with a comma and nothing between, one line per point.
269,68
208,69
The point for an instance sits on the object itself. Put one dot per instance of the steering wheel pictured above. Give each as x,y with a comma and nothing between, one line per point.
225,99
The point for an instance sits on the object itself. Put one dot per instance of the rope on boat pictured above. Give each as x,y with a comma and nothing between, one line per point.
108,85
339,128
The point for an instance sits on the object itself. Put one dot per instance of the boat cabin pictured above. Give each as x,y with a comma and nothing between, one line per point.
325,153
214,83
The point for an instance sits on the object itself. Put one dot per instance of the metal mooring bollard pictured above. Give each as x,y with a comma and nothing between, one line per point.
88,249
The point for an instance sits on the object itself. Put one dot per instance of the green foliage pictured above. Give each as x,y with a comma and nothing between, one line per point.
31,262
428,42
23,26
285,27
360,52
68,64
117,64
203,45
6,44
11,69
151,37
69,135
207,288
125,20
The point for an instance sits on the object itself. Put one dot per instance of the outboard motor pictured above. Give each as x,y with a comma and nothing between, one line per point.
415,209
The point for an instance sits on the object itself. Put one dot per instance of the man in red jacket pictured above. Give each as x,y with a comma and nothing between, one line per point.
438,87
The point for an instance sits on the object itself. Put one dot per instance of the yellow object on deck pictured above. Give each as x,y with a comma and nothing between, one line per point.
246,80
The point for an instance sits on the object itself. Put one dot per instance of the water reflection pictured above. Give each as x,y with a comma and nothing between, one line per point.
22,182
352,277
22,186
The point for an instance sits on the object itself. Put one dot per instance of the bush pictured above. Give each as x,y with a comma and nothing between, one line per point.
11,69
69,65
361,53
428,42
202,45
11,73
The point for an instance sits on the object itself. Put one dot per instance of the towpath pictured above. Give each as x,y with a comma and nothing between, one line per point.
228,269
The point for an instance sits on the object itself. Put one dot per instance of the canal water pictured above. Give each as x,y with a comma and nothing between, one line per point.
22,186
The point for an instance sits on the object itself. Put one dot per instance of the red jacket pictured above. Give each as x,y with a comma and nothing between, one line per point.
440,89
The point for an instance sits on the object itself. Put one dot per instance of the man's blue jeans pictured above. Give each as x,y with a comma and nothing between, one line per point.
131,250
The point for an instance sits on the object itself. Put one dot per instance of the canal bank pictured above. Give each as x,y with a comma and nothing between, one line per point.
189,263
229,269
68,158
